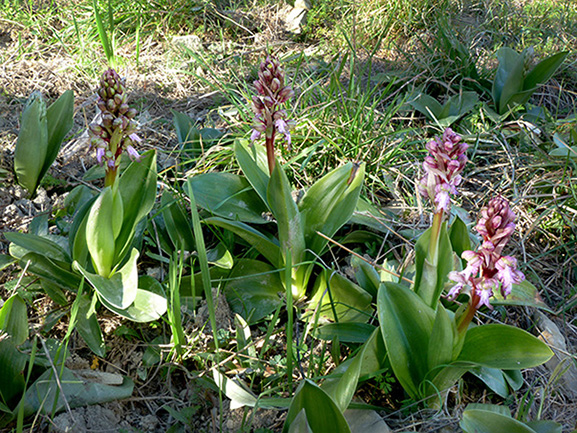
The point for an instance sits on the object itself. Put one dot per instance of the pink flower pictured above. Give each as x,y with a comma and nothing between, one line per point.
442,167
487,270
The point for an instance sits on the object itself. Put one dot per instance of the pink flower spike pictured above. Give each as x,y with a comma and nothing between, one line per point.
135,138
100,151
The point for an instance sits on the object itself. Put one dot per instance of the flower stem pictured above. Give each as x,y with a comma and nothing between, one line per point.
467,317
434,241
110,176
269,142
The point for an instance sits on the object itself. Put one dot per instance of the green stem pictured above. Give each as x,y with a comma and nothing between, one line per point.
467,317
110,176
434,241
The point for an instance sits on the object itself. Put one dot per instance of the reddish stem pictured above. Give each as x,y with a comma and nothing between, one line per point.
269,143
466,319
435,230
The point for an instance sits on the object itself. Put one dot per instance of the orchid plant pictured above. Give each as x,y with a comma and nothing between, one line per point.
102,240
429,346
249,205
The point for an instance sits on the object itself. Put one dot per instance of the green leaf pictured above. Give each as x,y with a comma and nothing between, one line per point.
46,394
254,165
493,378
238,395
406,323
491,419
287,215
338,295
427,105
12,364
341,386
347,332
87,325
504,347
440,348
367,276
119,290
508,79
252,289
57,272
31,147
229,196
269,249
459,236
14,320
23,243
544,70
101,232
431,273
149,304
525,294
322,413
185,127
363,421
6,260
137,187
176,222
220,256
330,203
59,117
544,426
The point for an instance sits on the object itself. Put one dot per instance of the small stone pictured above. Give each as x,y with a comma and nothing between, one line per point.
550,334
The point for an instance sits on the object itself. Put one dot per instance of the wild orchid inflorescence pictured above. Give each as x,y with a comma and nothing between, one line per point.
116,130
443,167
487,269
270,117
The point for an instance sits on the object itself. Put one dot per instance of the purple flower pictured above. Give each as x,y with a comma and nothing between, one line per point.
487,270
442,167
267,105
116,132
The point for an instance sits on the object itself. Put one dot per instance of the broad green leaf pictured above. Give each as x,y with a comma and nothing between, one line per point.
119,290
185,127
330,203
504,347
100,232
365,421
238,395
6,260
12,363
544,70
459,236
149,304
440,348
87,325
176,222
137,187
338,295
488,419
300,424
46,394
341,386
229,196
284,209
493,378
23,243
406,323
59,117
54,292
32,144
544,426
57,272
508,79
427,105
186,285
268,248
254,165
220,256
347,332
252,289
322,413
14,320
367,276
431,272
366,214
39,225
525,294
77,235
